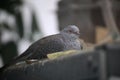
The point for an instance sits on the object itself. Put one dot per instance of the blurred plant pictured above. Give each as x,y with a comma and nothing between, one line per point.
19,25
10,5
34,28
9,50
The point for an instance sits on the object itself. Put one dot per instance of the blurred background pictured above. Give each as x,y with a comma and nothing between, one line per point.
24,21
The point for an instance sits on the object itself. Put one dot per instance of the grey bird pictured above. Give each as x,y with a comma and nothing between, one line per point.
67,39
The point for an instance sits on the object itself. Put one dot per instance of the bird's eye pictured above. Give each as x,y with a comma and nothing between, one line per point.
70,31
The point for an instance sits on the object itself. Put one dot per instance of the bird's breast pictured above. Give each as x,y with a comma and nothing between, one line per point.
73,44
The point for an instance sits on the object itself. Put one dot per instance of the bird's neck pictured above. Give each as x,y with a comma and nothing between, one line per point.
70,36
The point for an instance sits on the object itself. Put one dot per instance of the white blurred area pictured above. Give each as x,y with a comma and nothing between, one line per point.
46,14
45,11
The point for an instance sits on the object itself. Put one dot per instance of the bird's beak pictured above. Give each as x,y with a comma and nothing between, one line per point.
78,33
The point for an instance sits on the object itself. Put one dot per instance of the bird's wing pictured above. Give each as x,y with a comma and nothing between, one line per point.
42,47
48,45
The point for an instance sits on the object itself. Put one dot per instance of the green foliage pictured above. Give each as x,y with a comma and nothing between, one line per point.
8,51
10,5
34,23
34,28
5,26
19,24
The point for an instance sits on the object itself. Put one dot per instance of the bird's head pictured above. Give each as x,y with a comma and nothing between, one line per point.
72,30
